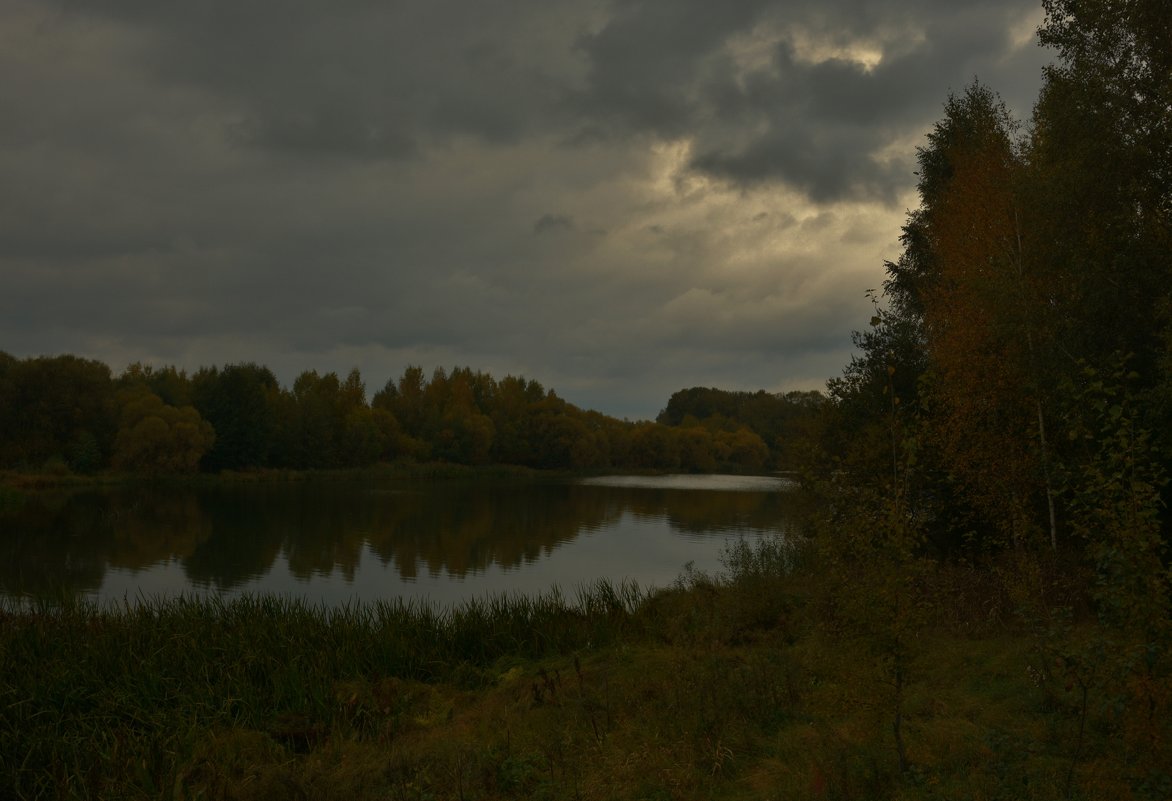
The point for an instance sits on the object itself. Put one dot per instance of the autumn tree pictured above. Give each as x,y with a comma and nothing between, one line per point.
512,418
405,400
363,434
653,446
986,327
592,448
556,433
331,425
173,386
386,406
154,437
460,431
696,446
777,418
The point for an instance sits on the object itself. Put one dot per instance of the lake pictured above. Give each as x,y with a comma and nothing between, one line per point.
335,542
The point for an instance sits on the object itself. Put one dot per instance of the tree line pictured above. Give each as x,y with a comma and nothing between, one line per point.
69,413
1023,337
1011,401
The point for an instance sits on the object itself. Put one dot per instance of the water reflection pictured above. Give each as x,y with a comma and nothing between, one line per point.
362,538
696,483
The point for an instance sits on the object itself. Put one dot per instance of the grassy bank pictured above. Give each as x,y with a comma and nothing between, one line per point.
739,687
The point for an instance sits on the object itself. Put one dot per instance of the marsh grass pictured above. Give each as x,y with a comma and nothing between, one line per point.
96,697
724,686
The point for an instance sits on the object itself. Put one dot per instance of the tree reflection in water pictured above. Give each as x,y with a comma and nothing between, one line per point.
61,544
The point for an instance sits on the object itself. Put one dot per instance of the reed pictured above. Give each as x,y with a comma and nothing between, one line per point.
93,697
725,686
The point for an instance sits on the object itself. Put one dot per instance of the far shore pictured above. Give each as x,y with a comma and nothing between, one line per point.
19,481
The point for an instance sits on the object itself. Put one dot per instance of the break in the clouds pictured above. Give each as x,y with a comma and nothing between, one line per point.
619,199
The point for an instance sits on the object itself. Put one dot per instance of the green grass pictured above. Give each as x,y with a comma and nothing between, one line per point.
727,687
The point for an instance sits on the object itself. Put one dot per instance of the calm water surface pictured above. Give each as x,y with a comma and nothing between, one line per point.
336,542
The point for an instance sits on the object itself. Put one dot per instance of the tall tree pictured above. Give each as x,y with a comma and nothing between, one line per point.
240,401
461,432
1101,180
984,321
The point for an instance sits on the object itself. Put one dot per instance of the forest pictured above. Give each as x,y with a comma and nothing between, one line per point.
64,414
1014,386
1009,407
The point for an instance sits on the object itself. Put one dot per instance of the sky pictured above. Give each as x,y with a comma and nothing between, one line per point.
618,199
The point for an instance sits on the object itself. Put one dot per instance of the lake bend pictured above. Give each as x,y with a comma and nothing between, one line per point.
335,542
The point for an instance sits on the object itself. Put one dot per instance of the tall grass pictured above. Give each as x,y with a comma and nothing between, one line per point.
730,686
93,697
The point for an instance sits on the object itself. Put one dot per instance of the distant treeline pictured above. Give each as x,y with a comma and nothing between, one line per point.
785,421
66,413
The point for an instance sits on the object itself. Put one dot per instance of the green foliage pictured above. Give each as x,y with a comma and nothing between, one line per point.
156,438
888,369
1115,508
877,592
323,422
1027,259
170,384
239,401
1016,265
777,420
1117,55
85,453
1115,504
50,407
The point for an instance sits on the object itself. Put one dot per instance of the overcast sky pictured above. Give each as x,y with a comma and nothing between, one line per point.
617,198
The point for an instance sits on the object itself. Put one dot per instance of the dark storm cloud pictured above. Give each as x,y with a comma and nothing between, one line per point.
646,61
359,79
616,198
374,80
669,68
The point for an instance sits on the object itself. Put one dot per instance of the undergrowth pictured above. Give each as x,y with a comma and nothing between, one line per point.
732,685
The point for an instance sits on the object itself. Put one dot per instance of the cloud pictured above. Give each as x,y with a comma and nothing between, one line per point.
360,79
805,94
618,199
553,222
